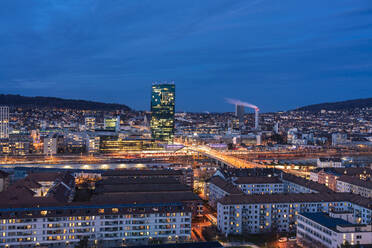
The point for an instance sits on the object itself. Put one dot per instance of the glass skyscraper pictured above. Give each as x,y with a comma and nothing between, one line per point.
162,111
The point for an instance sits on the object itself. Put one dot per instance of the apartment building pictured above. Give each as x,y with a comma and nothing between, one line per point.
106,223
260,185
294,184
322,230
184,176
238,214
217,188
39,210
329,176
354,185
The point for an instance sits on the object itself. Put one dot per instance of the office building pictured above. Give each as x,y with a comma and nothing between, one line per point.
322,230
90,123
92,144
4,122
239,113
329,162
162,111
114,144
112,124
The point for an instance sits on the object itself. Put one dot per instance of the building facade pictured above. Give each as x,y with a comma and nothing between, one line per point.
90,123
162,111
322,230
50,146
329,162
106,225
354,185
4,122
239,214
112,124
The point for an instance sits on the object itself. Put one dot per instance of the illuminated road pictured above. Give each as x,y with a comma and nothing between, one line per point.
226,159
233,161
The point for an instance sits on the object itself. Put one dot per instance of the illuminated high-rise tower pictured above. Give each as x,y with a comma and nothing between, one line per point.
162,111
4,122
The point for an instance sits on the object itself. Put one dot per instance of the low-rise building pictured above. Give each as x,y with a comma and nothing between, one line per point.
329,162
321,230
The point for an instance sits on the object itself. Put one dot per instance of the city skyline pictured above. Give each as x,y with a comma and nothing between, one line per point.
193,124
258,51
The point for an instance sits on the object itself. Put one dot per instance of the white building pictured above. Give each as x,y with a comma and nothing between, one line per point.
239,214
50,145
354,185
329,162
218,188
260,185
110,224
321,230
4,122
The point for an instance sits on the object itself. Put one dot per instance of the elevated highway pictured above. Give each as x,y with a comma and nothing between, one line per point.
224,159
235,162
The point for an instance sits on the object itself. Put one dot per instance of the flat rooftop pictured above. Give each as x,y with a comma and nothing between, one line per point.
328,222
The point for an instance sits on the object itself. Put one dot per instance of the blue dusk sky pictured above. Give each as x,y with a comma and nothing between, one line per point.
276,54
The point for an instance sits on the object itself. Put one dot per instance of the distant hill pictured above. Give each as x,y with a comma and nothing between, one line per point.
344,105
50,102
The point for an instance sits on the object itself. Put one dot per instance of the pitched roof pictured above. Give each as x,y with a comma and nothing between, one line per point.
139,173
306,183
142,188
44,176
356,181
257,180
225,185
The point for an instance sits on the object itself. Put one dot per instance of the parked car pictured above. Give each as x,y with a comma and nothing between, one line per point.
293,238
283,240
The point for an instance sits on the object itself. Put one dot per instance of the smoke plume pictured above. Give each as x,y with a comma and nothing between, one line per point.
240,103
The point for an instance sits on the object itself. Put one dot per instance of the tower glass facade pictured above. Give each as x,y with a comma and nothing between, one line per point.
162,111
